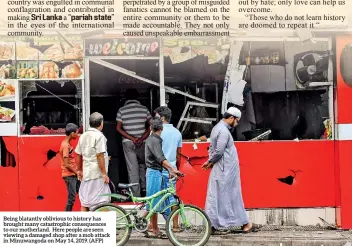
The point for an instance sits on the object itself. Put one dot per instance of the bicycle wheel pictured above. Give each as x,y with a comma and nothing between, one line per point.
191,220
123,230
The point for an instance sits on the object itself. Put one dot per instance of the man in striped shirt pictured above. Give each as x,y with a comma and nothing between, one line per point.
133,124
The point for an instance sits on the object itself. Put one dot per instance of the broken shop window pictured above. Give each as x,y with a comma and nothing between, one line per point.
47,106
200,72
282,87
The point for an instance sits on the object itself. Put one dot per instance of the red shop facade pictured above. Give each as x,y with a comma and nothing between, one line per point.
60,81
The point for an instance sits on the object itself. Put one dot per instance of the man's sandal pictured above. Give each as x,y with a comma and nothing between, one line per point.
215,232
177,230
253,229
159,235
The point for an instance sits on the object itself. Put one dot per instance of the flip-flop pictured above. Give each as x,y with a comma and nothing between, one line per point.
160,235
253,229
177,230
236,231
218,232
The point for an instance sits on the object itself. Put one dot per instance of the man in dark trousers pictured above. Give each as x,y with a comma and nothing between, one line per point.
133,124
68,165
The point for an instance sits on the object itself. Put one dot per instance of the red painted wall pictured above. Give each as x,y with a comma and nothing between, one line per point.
344,92
262,163
344,148
35,186
9,182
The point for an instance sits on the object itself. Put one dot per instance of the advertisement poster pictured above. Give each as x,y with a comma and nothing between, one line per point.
8,119
49,57
7,57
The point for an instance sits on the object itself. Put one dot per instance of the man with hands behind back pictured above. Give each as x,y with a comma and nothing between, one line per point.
133,124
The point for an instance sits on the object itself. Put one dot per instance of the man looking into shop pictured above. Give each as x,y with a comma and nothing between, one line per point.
171,145
93,160
133,124
68,165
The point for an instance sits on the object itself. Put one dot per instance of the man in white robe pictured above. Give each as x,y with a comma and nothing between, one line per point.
224,204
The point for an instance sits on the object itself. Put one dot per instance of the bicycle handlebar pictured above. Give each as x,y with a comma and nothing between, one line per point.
176,178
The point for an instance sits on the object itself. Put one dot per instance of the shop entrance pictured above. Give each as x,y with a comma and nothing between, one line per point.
107,81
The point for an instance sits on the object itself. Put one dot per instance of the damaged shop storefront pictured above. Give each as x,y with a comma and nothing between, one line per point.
285,88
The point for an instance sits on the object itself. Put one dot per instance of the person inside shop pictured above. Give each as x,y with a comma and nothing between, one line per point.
171,146
68,165
224,203
156,161
93,160
133,124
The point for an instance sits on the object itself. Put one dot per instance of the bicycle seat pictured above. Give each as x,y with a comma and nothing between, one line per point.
125,186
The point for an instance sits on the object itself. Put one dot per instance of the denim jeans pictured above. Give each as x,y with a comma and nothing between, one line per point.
154,185
72,185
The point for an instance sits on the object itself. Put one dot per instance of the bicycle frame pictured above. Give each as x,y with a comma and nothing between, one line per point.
166,193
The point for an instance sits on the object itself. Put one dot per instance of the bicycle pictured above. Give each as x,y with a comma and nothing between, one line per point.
131,219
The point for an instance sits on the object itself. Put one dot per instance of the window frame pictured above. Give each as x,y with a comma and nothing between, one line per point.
19,103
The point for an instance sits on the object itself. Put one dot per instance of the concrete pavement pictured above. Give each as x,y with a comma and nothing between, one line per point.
266,238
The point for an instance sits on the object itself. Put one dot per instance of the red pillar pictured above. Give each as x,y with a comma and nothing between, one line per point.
343,154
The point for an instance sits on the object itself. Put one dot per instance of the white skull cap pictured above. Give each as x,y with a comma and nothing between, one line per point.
234,112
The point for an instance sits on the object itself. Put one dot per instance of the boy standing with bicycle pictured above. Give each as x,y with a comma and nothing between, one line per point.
171,145
155,162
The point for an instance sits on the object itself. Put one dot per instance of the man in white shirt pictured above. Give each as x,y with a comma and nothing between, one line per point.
92,156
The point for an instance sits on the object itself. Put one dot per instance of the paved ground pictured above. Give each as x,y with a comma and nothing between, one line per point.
266,238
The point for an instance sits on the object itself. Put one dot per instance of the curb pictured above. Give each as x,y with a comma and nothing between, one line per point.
249,242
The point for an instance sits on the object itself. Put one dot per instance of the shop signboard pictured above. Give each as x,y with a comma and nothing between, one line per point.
183,49
191,42
143,47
